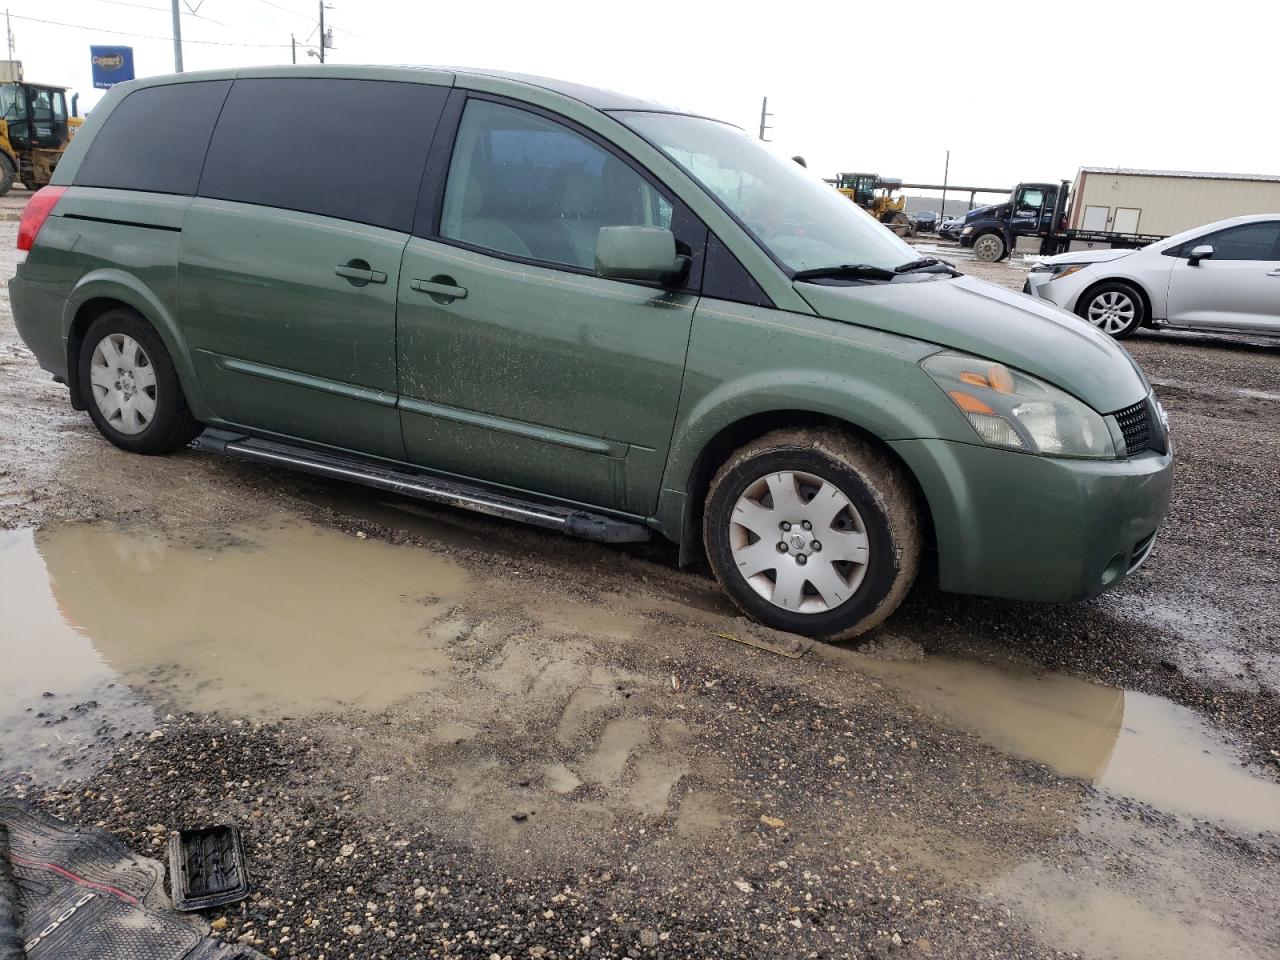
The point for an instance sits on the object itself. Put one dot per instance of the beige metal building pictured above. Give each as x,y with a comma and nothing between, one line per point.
1164,202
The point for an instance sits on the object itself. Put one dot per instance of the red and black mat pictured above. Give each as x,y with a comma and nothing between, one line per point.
76,893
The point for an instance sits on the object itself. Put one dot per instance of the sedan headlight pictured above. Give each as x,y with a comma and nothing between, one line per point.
1008,408
1057,270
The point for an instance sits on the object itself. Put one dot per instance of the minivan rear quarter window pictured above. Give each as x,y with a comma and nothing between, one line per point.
350,149
155,139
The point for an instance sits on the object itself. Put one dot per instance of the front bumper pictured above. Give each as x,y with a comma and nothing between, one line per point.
1027,527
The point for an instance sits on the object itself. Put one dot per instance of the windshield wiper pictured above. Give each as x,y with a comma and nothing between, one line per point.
852,271
927,264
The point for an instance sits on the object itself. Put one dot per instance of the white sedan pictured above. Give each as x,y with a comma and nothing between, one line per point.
1224,276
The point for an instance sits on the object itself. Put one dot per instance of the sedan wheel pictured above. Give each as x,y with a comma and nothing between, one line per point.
1114,308
1112,311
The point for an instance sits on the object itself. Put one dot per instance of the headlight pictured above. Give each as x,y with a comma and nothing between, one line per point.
1058,270
1010,409
967,230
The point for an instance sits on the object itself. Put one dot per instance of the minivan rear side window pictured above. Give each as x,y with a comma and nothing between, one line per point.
155,139
350,149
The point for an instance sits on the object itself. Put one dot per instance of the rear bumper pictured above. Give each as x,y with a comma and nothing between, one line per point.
1026,527
37,315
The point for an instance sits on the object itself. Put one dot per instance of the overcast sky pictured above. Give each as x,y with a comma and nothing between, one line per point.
1016,91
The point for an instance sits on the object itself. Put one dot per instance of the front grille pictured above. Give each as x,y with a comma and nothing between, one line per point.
1135,424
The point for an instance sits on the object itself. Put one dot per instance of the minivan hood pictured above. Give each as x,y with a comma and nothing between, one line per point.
977,317
1087,256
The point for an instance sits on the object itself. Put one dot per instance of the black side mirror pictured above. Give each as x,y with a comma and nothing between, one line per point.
1202,252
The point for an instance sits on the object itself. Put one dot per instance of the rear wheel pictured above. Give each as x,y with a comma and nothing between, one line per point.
989,248
1114,308
813,531
130,386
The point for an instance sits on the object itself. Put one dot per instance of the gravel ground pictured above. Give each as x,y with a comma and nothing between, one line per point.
594,773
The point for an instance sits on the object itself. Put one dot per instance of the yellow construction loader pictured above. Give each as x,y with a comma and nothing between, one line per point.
35,128
875,194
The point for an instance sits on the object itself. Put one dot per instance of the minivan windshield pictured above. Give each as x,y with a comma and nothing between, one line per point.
800,219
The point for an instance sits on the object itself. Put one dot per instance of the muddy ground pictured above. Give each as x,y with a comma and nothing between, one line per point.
446,736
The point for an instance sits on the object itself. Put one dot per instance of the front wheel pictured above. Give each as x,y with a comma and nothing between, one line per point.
813,531
989,248
1114,308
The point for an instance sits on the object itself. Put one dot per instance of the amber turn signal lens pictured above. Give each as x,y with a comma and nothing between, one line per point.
969,403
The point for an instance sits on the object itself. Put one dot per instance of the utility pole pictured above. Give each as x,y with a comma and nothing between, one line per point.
177,39
764,115
8,32
293,48
321,30
945,170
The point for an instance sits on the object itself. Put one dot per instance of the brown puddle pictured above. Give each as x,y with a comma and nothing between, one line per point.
282,619
1127,743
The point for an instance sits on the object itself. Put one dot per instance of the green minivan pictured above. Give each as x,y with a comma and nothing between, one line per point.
586,311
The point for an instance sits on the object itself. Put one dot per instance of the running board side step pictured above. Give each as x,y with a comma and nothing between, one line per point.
423,486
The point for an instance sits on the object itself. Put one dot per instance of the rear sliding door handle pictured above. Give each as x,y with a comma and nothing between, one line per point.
358,273
441,289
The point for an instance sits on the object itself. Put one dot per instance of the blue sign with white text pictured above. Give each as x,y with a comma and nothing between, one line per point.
111,65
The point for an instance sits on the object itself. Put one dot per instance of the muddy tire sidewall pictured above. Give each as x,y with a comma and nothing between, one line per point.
876,488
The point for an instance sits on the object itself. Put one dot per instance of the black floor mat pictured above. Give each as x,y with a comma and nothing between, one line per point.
206,868
84,896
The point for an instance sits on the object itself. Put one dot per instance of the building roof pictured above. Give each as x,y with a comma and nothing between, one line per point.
1189,174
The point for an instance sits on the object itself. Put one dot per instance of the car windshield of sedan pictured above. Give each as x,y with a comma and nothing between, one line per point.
799,218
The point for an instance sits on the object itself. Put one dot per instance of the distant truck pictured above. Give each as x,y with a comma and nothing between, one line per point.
1110,207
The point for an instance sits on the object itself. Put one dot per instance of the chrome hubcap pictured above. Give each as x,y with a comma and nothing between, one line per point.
123,382
1112,311
799,542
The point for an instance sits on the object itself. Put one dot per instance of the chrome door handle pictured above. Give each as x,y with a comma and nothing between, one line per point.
358,273
440,288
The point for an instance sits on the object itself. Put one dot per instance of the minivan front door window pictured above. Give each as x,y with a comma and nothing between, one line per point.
527,186
799,219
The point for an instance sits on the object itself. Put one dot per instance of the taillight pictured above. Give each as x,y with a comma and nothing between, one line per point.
35,213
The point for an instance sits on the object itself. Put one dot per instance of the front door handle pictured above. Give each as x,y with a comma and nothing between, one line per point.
440,288
358,273
1274,273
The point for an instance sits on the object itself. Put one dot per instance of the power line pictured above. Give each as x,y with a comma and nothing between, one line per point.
143,6
146,36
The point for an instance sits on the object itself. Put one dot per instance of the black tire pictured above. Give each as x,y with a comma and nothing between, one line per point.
875,485
1104,306
172,427
8,174
989,247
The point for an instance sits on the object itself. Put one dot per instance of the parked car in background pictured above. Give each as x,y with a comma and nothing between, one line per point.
581,310
1224,277
926,221
949,229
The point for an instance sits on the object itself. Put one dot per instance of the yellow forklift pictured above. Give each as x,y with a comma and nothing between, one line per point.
35,128
875,194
